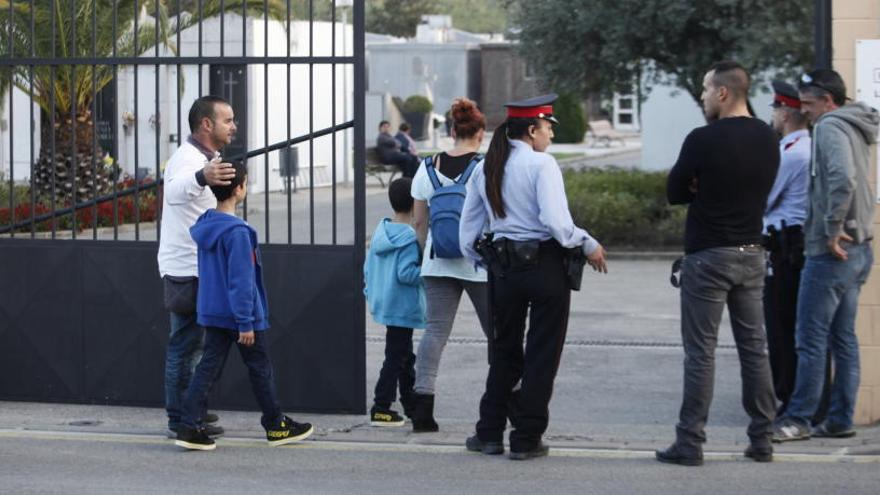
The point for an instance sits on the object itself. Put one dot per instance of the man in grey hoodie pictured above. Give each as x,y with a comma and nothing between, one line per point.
838,236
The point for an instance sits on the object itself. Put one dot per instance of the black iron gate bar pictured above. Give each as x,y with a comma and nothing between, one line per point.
54,62
133,190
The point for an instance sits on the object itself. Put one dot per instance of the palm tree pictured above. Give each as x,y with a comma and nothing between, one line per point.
62,29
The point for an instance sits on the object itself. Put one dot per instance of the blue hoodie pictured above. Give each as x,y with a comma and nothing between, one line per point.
231,293
392,277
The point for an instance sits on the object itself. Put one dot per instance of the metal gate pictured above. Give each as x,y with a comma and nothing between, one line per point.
95,95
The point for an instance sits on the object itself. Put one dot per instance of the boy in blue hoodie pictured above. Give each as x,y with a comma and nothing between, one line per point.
232,307
393,286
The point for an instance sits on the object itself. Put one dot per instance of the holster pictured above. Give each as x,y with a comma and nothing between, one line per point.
574,261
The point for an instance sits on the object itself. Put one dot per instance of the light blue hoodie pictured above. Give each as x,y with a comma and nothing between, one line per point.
392,277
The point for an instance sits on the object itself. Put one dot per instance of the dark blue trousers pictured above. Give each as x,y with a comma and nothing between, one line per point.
255,357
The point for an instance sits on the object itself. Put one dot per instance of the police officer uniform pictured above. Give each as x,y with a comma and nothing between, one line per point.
784,239
530,251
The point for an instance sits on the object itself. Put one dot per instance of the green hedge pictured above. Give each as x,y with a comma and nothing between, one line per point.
625,208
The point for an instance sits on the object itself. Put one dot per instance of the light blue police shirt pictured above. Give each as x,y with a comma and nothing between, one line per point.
534,201
788,197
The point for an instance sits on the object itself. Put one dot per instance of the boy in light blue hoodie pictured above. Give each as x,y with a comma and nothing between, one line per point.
231,305
393,286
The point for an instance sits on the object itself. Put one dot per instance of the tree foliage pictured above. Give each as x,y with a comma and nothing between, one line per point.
400,17
603,46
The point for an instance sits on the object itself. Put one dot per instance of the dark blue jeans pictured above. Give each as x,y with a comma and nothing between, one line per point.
826,316
183,353
255,357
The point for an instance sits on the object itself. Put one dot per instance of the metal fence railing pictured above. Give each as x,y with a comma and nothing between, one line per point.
96,92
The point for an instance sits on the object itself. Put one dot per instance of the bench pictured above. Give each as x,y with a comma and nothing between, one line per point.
376,168
603,132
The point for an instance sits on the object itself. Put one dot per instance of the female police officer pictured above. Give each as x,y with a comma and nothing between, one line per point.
517,195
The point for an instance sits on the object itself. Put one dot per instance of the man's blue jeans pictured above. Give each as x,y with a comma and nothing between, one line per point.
826,315
185,345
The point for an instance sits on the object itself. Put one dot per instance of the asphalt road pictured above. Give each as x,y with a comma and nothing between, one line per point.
134,464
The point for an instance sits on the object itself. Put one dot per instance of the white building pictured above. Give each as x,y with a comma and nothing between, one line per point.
441,63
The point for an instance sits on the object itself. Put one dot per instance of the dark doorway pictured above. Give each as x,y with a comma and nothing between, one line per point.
230,82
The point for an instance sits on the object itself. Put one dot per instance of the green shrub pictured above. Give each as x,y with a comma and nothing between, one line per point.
572,123
625,208
21,192
417,104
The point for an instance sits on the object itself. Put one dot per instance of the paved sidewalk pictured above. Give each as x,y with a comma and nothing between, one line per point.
619,384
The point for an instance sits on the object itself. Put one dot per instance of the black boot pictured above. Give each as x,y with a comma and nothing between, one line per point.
423,416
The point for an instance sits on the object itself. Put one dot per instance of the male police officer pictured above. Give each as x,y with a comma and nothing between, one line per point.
784,237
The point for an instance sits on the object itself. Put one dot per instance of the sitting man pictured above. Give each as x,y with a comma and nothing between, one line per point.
389,151
407,143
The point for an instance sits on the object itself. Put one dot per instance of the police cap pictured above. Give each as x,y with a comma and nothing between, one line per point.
539,107
785,95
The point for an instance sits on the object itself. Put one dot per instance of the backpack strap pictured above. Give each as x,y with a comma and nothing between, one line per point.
432,172
463,178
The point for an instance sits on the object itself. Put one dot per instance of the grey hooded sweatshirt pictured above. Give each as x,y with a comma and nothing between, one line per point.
840,196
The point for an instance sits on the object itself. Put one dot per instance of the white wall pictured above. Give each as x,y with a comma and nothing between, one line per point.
275,101
393,69
669,114
19,127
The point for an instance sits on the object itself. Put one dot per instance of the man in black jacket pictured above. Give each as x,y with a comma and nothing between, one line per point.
724,173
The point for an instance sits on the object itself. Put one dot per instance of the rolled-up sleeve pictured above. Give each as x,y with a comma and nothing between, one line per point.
473,217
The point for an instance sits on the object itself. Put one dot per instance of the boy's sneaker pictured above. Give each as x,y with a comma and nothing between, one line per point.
787,429
211,418
288,431
386,417
191,439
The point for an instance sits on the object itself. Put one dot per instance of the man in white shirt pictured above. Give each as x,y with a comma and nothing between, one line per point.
195,165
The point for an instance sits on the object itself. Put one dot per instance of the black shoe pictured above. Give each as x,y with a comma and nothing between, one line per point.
210,418
474,444
673,455
825,430
213,431
423,416
762,454
539,451
288,431
386,417
194,439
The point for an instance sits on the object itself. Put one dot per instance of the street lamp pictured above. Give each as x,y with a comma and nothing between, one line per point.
344,4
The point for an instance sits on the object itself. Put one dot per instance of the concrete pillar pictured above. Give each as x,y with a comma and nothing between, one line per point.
854,20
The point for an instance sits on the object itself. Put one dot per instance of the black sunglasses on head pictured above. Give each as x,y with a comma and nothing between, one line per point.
808,81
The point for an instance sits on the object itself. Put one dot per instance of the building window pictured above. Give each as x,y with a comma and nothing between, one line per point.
528,70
